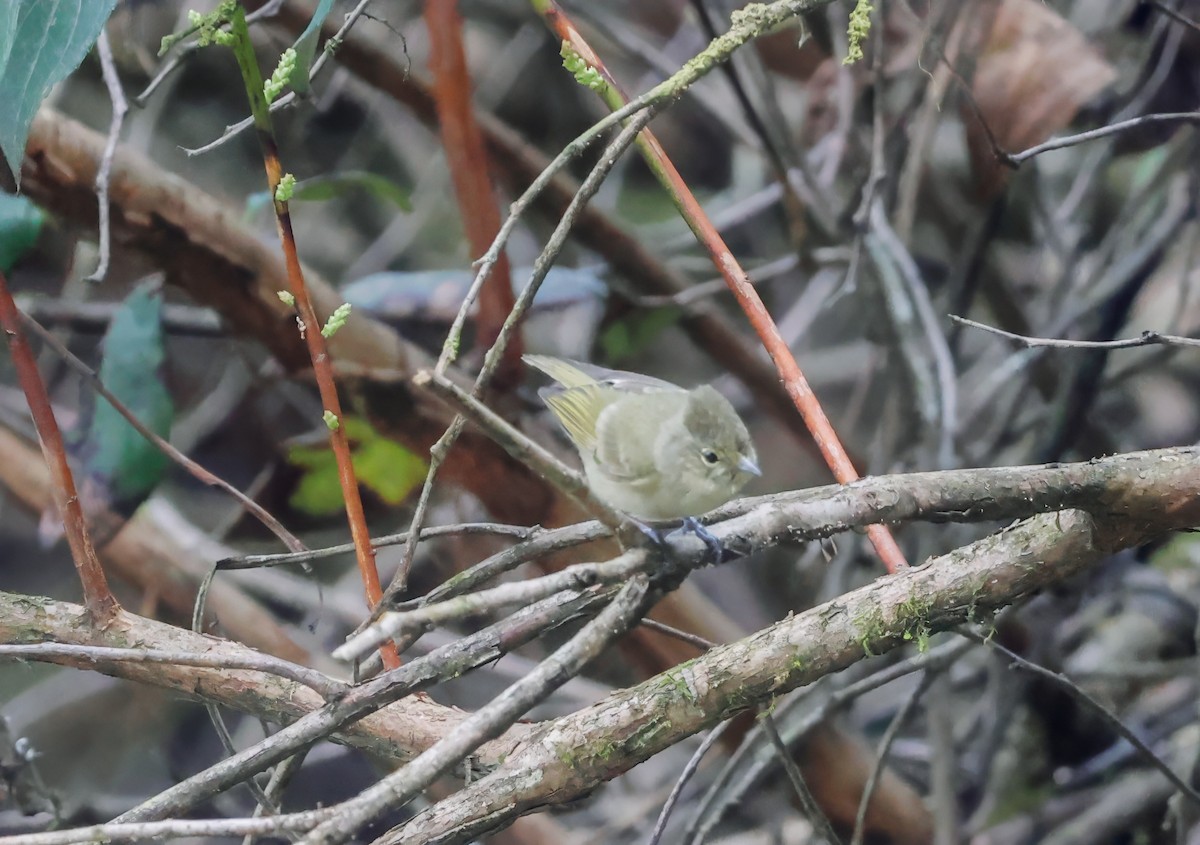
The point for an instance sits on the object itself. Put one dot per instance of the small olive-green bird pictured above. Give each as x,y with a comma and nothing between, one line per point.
650,448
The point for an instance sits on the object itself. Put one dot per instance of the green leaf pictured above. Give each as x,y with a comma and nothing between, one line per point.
632,334
49,40
328,187
306,47
318,491
114,453
20,224
389,469
339,184
321,188
381,465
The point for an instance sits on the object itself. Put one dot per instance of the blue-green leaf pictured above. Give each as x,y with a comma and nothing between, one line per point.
306,47
20,224
8,29
114,453
49,40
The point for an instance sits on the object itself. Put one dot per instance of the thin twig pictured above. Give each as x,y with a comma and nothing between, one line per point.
812,809
518,532
693,763
177,829
576,577
683,636
711,287
544,543
290,97
1016,159
493,718
82,655
225,737
1173,14
197,471
268,9
1079,694
120,106
885,745
1146,338
281,776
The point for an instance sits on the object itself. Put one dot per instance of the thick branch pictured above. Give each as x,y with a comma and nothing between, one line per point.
570,757
1133,495
1131,499
164,559
394,733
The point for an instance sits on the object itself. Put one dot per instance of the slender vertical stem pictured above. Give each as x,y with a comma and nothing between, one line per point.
467,156
97,597
736,278
311,326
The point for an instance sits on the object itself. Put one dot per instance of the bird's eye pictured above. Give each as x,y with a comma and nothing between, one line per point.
710,457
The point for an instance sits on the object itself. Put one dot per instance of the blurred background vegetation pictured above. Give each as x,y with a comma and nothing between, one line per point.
893,213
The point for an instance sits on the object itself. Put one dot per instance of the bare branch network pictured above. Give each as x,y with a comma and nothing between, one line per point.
1048,522
1131,499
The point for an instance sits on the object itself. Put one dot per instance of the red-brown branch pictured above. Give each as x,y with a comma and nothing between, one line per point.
467,157
738,281
364,551
97,597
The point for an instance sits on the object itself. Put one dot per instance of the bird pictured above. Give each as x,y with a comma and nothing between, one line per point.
651,449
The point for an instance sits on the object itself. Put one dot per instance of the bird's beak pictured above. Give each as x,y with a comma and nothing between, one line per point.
748,466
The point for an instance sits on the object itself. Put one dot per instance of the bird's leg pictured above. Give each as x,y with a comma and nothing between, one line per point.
692,526
648,531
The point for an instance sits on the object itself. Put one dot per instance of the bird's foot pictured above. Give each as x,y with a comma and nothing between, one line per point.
691,525
643,530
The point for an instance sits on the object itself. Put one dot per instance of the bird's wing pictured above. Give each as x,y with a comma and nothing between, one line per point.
570,373
578,409
627,434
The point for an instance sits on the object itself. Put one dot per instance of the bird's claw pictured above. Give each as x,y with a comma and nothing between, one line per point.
692,526
648,531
